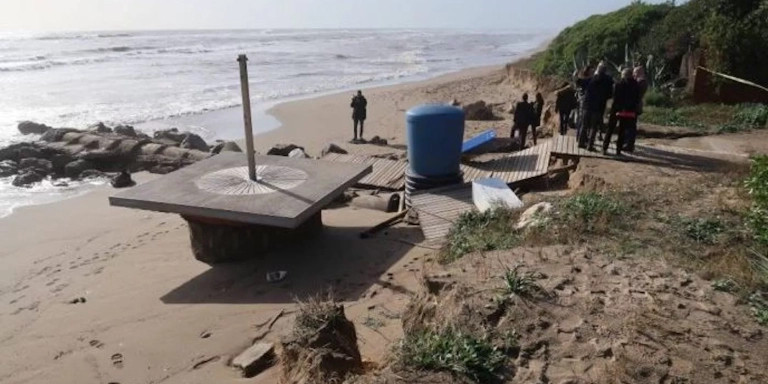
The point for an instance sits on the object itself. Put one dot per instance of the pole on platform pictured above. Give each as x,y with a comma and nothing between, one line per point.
243,60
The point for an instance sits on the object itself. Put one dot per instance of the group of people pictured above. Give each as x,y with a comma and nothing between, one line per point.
594,91
527,115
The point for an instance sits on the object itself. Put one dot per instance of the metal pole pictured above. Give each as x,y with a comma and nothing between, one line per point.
243,60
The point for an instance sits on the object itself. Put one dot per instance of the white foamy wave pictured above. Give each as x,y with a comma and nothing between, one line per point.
44,192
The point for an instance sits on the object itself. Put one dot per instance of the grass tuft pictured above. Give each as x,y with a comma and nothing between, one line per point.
521,284
476,231
701,230
455,352
315,313
759,304
592,209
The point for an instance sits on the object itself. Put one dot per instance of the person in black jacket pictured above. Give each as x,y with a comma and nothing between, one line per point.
523,118
599,91
359,105
565,103
626,100
538,109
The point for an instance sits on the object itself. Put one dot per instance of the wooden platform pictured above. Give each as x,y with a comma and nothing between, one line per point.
568,146
517,166
210,189
386,174
439,208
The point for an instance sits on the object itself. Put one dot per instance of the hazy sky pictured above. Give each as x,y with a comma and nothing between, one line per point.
225,14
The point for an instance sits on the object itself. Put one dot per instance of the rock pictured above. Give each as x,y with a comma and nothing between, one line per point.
75,168
60,183
29,127
333,148
42,165
378,141
255,359
298,153
479,111
283,149
172,135
226,146
56,134
30,152
8,168
193,141
60,161
92,174
162,169
125,130
532,215
27,178
123,180
100,128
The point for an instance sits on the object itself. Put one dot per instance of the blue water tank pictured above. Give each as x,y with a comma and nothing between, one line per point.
435,135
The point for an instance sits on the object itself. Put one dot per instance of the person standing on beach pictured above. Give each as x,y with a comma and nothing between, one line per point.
566,102
599,91
642,82
359,107
538,109
625,105
522,119
582,81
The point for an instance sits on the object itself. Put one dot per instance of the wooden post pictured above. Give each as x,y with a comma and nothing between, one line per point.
243,60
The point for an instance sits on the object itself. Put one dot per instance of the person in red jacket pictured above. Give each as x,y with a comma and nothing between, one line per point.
626,99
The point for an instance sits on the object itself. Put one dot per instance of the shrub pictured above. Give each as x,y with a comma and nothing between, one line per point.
474,231
752,115
517,283
701,230
591,209
454,352
757,187
656,98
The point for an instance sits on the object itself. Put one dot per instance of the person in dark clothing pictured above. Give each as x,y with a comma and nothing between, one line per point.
538,109
582,81
359,105
523,118
639,75
626,99
599,91
565,103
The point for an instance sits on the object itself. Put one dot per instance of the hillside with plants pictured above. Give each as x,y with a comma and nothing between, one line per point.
731,34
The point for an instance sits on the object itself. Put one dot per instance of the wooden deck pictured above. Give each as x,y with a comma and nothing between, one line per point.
568,146
289,192
518,166
386,174
439,208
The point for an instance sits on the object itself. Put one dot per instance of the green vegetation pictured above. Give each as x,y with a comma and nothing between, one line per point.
724,285
592,210
521,284
757,187
710,118
656,98
474,231
733,36
454,352
701,230
759,305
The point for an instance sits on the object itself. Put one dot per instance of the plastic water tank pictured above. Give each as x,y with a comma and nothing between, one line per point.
435,135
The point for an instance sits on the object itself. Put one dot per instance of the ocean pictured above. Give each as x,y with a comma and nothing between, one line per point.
146,78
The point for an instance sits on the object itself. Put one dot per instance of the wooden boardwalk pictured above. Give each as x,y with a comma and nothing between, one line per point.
439,208
518,166
568,146
386,174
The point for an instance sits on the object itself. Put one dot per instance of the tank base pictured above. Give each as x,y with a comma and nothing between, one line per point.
219,241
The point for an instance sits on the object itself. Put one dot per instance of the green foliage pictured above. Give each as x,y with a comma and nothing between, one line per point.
454,352
670,117
752,115
712,118
759,304
592,209
600,36
656,98
701,230
757,186
724,285
517,283
474,231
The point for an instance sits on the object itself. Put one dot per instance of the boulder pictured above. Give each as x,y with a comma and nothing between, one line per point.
56,134
298,153
283,149
123,180
8,168
378,141
226,146
92,174
169,136
27,178
125,130
100,128
479,111
29,127
75,168
193,141
333,148
42,165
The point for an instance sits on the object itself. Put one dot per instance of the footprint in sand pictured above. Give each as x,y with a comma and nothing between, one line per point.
117,360
96,344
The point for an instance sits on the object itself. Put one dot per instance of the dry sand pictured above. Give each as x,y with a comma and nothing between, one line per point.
152,313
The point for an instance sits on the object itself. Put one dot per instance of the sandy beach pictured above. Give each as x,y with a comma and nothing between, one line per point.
95,294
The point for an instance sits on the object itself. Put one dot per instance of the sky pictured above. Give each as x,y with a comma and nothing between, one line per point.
77,15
